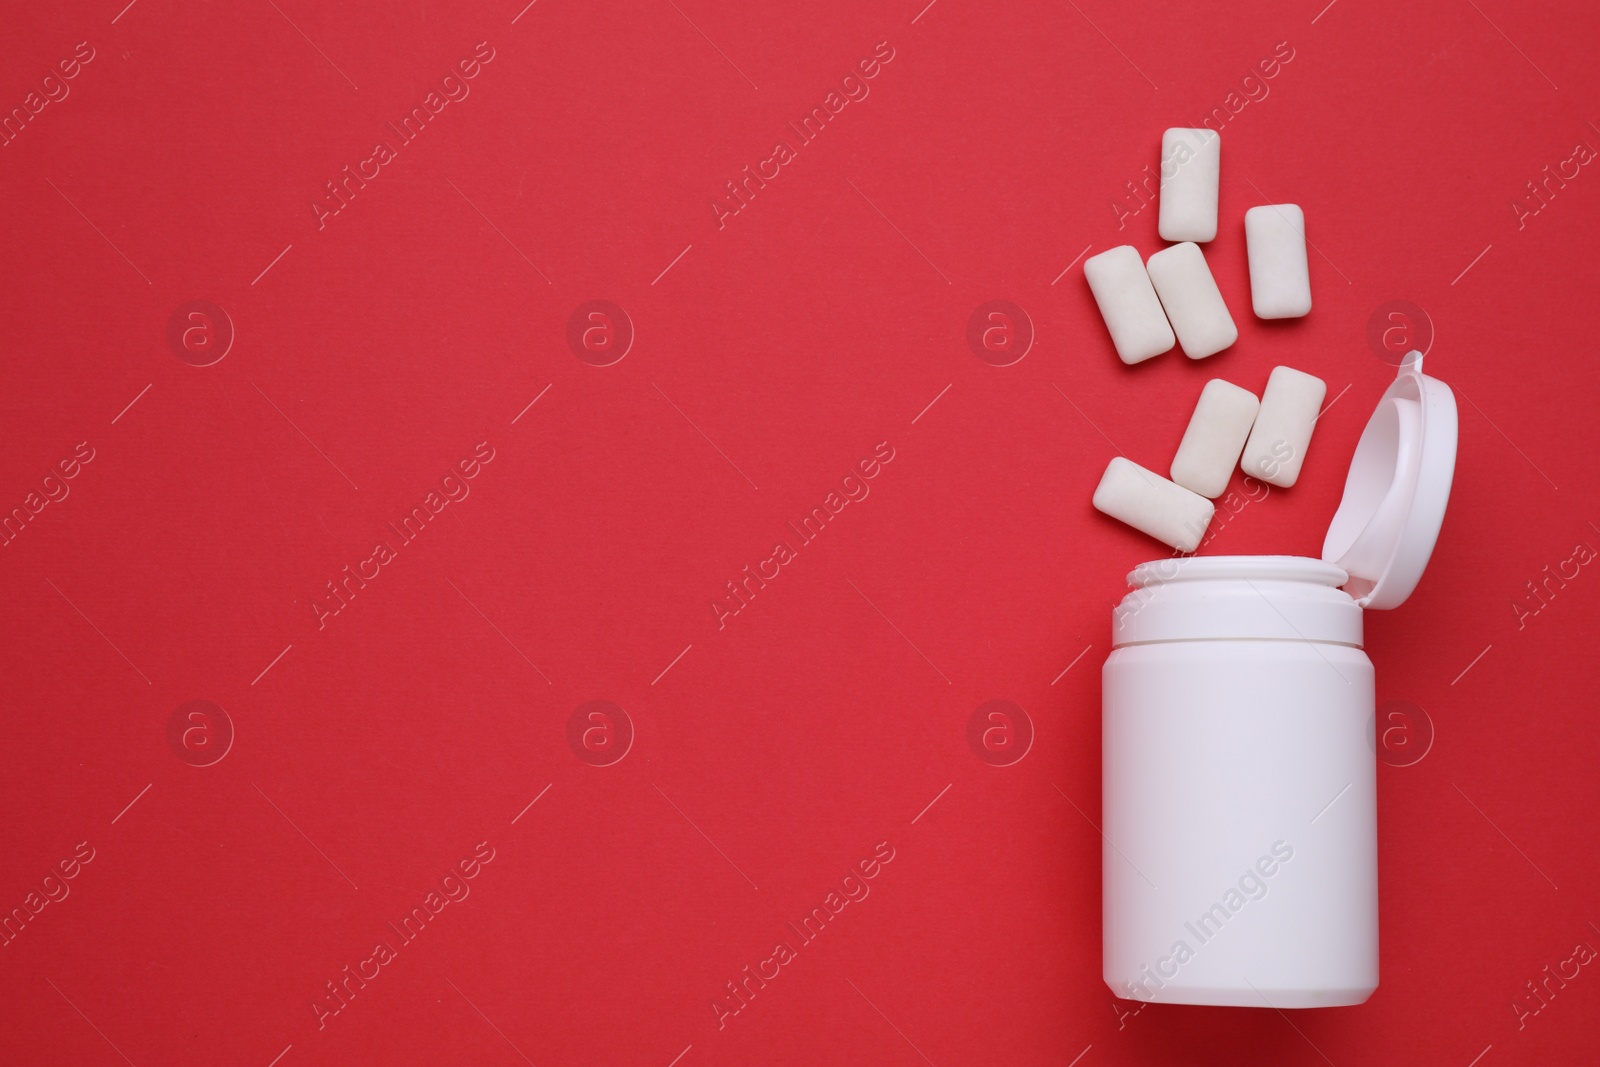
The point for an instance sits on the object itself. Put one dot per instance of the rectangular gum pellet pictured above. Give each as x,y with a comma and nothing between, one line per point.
1153,505
1278,441
1128,304
1191,162
1217,431
1280,280
1192,300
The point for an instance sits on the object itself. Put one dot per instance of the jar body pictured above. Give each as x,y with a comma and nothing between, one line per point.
1239,789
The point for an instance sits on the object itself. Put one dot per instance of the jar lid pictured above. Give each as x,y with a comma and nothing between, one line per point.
1395,494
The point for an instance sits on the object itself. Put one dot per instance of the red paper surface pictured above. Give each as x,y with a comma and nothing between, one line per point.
439,317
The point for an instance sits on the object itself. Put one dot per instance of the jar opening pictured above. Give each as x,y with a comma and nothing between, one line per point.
1222,568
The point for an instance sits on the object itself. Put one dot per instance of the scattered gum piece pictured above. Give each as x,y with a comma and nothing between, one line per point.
1280,280
1278,441
1191,162
1128,304
1193,302
1151,504
1215,437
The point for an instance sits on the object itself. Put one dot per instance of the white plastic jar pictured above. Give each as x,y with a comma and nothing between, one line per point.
1239,797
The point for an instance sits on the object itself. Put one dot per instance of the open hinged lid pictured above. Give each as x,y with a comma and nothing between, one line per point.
1395,494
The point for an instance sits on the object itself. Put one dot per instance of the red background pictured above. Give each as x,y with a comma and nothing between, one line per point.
774,753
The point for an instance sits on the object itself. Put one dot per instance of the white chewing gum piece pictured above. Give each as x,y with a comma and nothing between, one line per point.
1278,441
1280,278
1128,304
1217,431
1191,164
1153,505
1193,302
